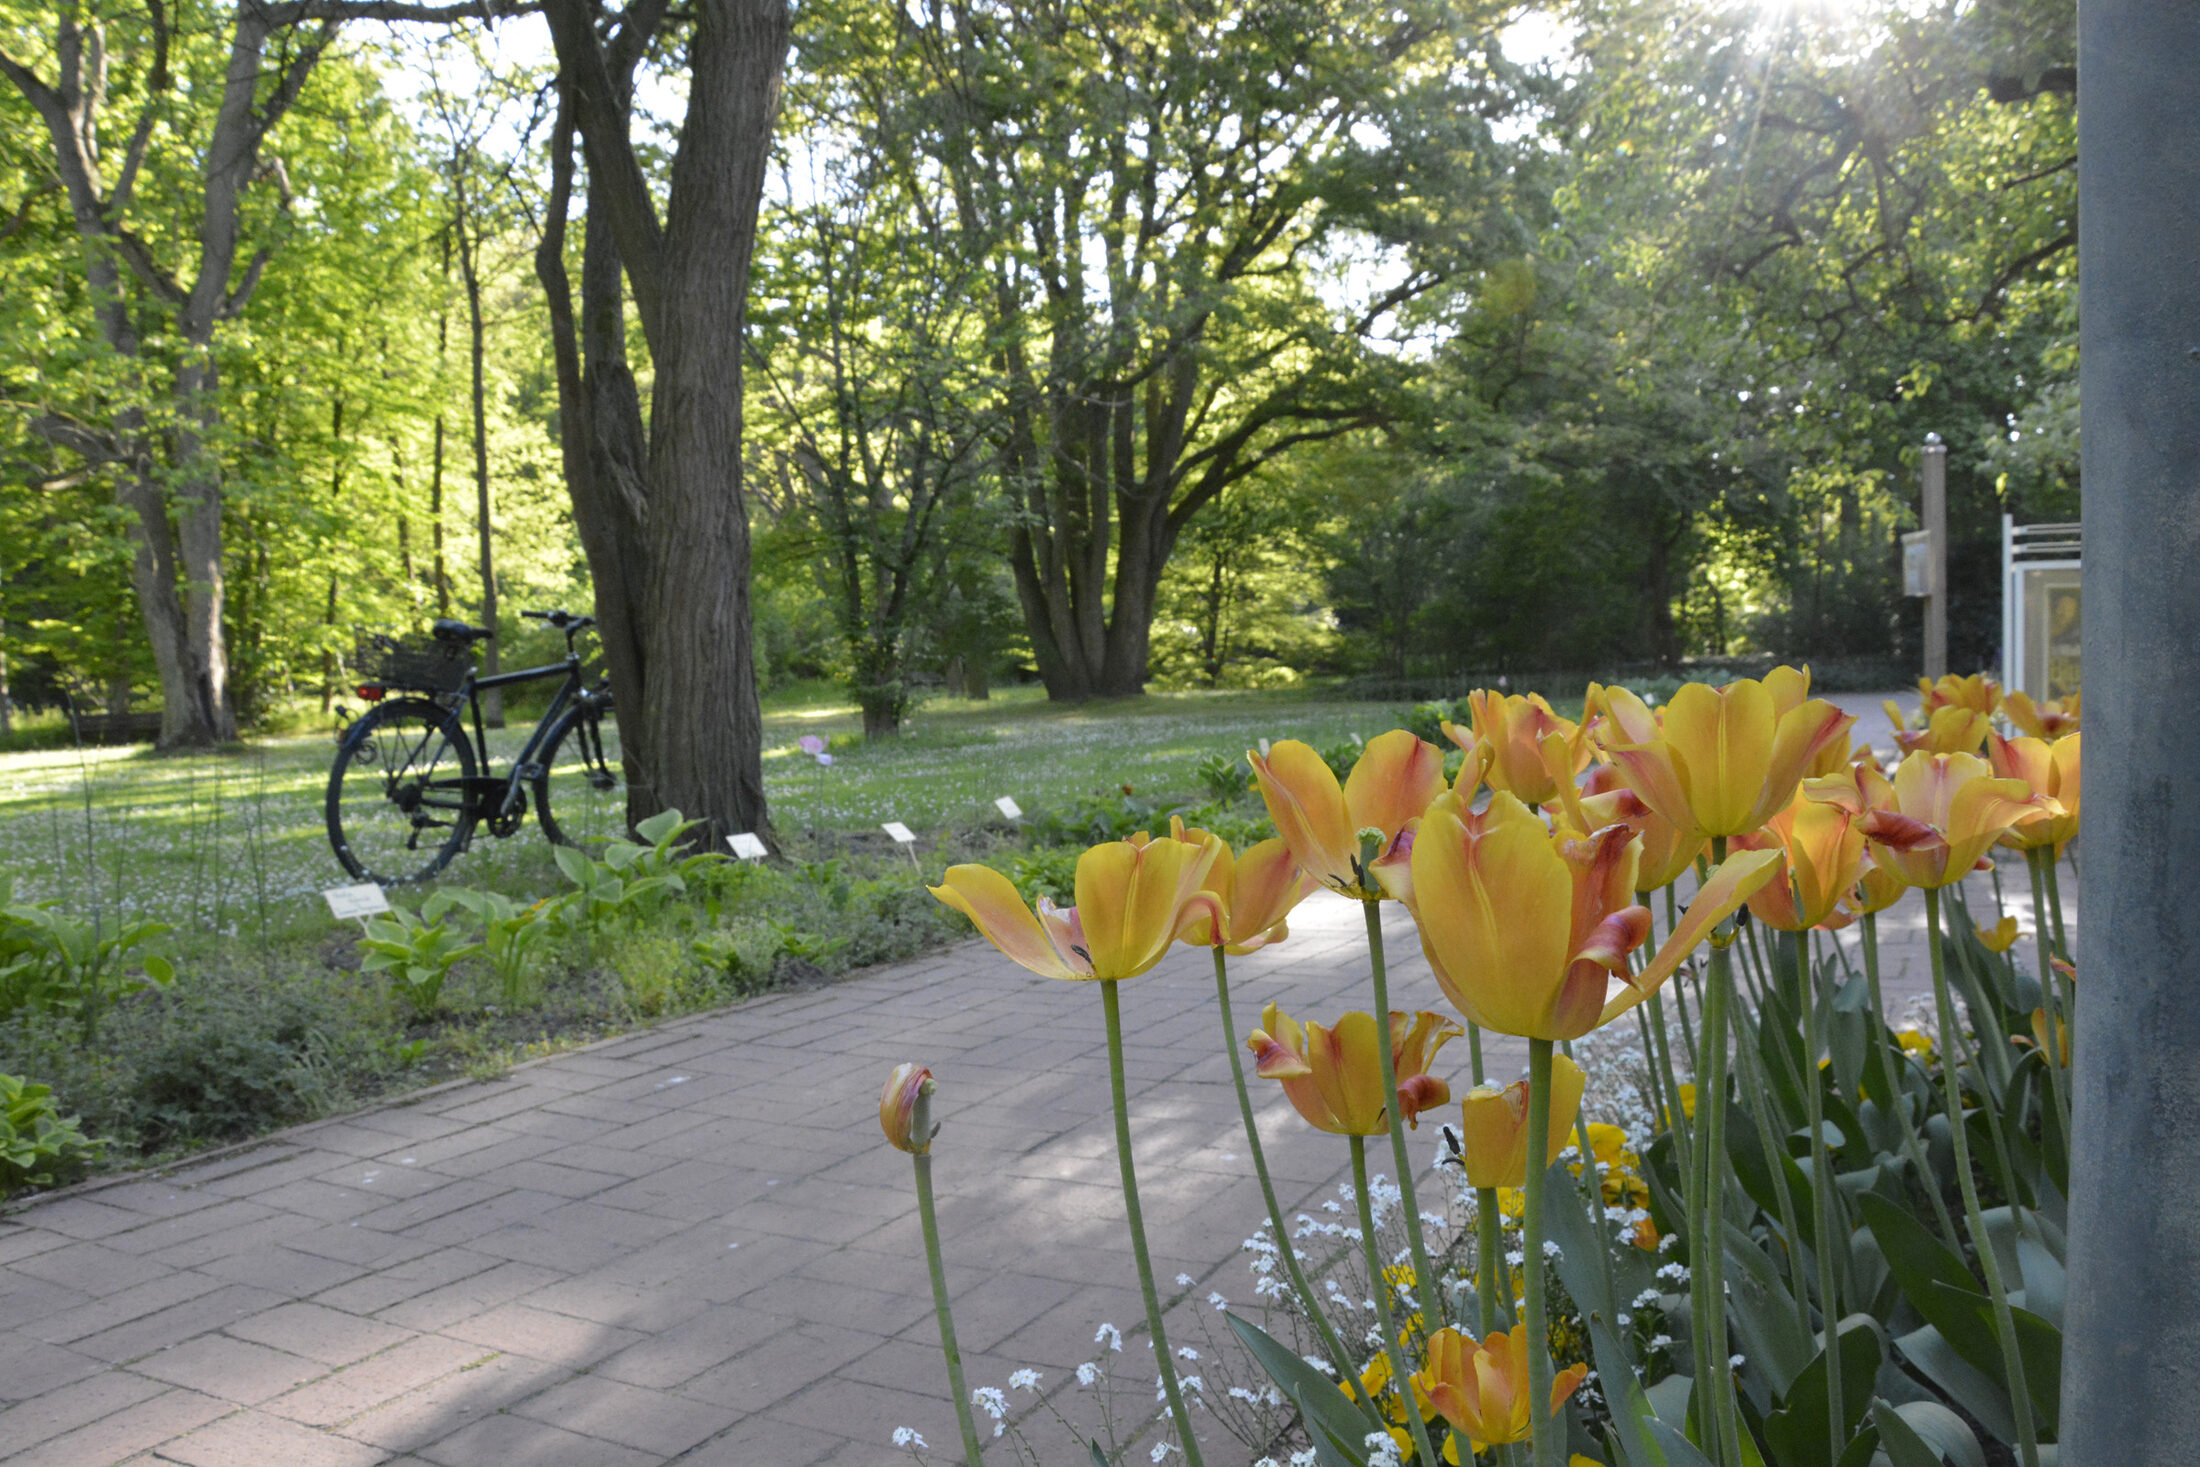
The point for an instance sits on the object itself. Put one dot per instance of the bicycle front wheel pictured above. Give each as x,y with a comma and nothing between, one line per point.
580,796
397,801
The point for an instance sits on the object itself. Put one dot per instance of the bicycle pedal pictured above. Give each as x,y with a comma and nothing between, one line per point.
529,772
601,780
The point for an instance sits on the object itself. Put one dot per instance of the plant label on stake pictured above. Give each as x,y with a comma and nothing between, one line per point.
1264,748
747,845
905,837
1009,809
362,901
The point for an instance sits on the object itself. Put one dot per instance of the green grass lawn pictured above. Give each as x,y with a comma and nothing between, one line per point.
232,845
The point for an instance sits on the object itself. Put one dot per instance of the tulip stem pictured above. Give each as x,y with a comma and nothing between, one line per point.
1378,1283
1540,1370
2054,904
926,1214
1112,1005
2049,1002
1489,1257
1755,1086
1474,1050
1822,1193
1322,1327
1676,1121
1680,990
1424,1277
1717,1414
2005,1325
1894,1065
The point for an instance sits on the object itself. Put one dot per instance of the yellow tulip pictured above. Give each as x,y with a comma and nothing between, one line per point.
1518,744
1933,824
897,1107
1256,891
1526,927
1482,1390
2057,1051
1722,761
2050,769
2049,720
1493,1126
1395,778
1977,692
1334,1077
1133,900
2000,937
1821,856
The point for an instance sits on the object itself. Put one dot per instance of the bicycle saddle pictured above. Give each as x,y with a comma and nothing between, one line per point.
447,630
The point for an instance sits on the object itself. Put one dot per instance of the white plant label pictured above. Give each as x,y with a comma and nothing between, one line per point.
747,845
364,900
1264,748
1009,808
900,832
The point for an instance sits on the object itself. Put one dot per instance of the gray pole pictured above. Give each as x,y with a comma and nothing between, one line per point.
1933,494
2131,1358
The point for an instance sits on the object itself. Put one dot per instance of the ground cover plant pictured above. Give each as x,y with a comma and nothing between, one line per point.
169,905
1832,1244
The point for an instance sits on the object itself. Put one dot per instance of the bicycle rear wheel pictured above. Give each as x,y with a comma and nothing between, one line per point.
397,801
580,796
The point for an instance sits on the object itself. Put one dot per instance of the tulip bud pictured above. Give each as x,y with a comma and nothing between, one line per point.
904,1113
1493,1143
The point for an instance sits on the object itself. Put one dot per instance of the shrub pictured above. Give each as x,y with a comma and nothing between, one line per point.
39,1147
230,1066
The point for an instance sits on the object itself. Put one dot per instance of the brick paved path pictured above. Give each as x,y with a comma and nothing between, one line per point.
689,1244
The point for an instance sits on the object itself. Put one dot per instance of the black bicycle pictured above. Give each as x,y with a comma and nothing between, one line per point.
410,784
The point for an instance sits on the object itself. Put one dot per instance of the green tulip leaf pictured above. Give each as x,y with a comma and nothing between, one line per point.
1925,1434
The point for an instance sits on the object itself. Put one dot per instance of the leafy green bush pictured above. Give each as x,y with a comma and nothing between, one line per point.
39,1147
232,1065
417,953
510,933
52,962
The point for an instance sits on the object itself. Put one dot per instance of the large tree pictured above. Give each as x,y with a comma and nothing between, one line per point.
1169,202
96,66
659,502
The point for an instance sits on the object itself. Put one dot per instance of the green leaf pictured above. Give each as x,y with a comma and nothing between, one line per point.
1925,1434
1099,1458
1764,1314
1631,1411
1798,1430
1976,1392
1320,1400
578,868
1923,1267
160,970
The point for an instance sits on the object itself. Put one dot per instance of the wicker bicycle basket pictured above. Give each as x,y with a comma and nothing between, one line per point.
424,666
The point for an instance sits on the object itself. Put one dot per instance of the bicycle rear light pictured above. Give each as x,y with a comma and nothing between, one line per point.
372,692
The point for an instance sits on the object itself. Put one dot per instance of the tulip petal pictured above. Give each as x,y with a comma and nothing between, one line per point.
1740,875
990,901
1348,1072
1397,774
1308,809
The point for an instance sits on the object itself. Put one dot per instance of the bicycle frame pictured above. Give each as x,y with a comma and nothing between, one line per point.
524,767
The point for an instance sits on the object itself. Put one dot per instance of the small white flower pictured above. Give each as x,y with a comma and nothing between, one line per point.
1194,1383
1319,1364
1735,1361
1087,1373
1550,1248
1186,1352
1183,1280
1023,1380
1160,1450
1659,1342
990,1400
907,1437
1646,1298
1110,1336
1382,1449
1216,1301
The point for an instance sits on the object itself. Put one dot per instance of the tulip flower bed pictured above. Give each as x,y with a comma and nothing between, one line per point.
1817,1242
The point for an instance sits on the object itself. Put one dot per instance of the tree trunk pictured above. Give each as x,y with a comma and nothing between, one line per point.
662,517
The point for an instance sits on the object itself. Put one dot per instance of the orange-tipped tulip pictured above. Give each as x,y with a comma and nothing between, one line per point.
2050,720
897,1107
1256,890
1335,1076
1133,900
1948,729
1821,856
1518,744
1482,1390
1722,761
1526,927
1978,692
1935,822
1493,1126
1395,778
1669,851
2050,769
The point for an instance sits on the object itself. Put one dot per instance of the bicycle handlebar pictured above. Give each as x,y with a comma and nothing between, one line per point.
563,620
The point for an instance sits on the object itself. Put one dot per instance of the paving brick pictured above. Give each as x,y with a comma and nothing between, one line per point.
320,1333
468,1297
502,1440
450,1402
755,1440
234,1370
61,1409
30,1367
657,1422
126,1433
355,1390
541,1335
255,1439
153,1301
675,1356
